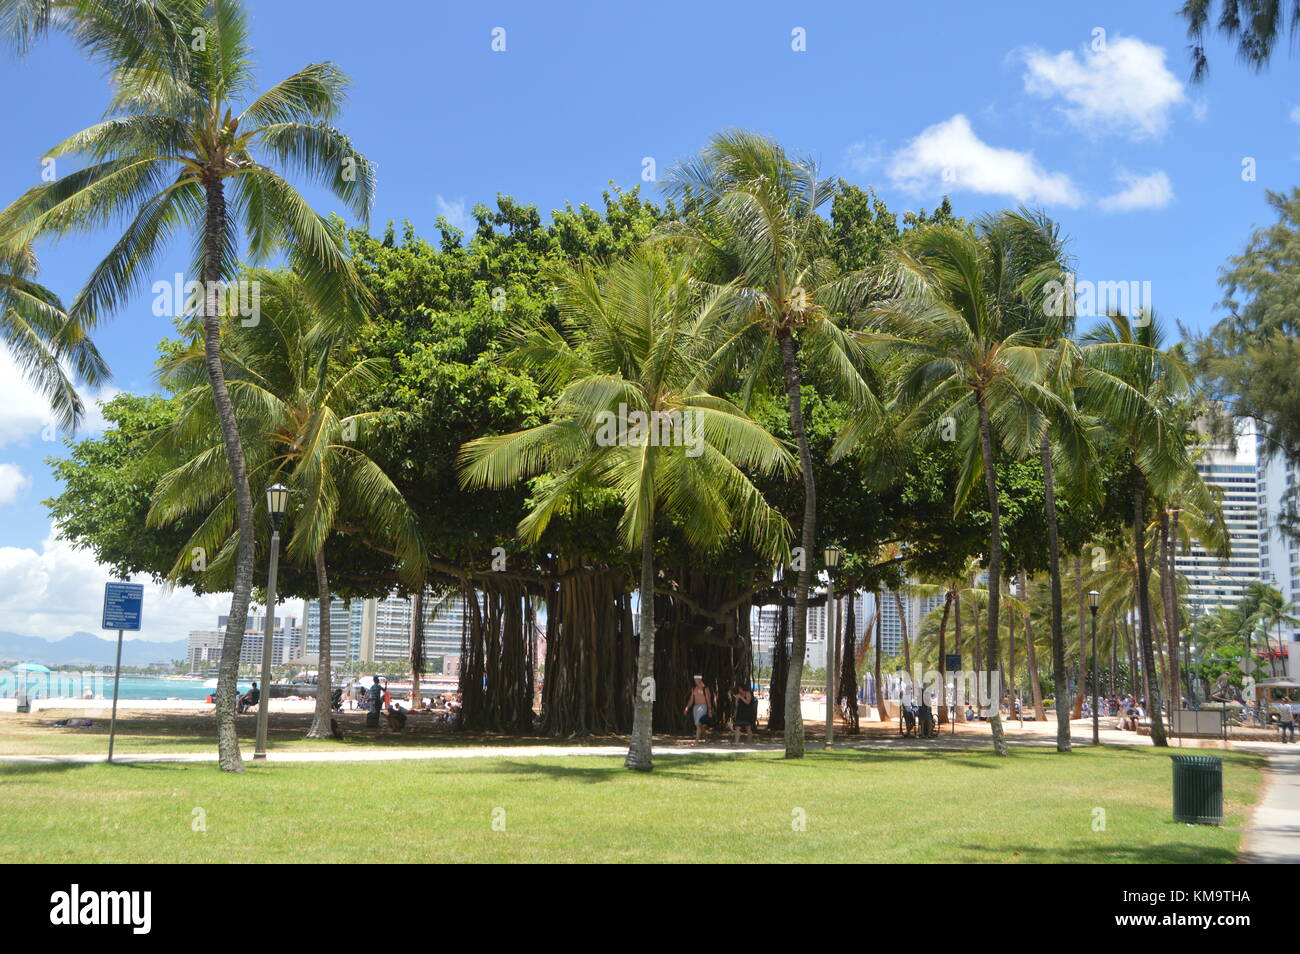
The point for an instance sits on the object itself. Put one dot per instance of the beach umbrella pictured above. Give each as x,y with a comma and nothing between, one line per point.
27,667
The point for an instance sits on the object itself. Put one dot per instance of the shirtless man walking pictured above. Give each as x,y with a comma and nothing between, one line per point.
700,705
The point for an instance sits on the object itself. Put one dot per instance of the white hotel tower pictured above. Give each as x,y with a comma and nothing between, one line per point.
1233,469
1279,556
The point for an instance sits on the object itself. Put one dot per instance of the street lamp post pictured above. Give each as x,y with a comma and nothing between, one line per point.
277,501
832,557
1094,600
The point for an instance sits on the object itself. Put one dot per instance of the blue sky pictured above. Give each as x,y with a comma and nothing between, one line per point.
1084,112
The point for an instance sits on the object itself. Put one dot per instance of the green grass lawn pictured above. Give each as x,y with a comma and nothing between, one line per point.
885,806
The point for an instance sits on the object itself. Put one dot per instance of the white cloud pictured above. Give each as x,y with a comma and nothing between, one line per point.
863,157
1122,87
1140,192
455,213
60,590
25,412
12,483
949,156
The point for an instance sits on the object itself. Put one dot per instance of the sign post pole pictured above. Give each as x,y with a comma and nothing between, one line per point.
123,605
117,673
952,664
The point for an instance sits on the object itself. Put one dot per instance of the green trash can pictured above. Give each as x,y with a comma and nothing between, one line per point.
1198,789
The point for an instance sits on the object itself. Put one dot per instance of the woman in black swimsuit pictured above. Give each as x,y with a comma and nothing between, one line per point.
746,714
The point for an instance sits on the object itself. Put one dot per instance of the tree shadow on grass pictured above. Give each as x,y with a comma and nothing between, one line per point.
1171,854
674,766
20,772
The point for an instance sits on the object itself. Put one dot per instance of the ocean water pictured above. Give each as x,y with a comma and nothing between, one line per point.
76,684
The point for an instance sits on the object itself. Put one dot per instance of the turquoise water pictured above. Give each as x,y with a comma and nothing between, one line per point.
75,684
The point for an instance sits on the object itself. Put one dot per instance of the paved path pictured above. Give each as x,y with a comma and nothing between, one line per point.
1033,735
1273,837
394,754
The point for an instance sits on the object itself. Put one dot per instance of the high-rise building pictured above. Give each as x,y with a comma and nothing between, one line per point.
374,630
1233,469
443,624
765,619
1279,555
345,630
203,647
915,609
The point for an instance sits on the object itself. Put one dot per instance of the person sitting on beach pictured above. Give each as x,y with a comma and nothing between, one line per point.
396,717
925,720
1130,718
248,700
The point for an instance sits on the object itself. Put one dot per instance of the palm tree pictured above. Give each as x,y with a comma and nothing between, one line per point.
964,359
1150,435
956,590
299,391
758,227
1256,35
41,337
1038,258
628,364
1275,612
184,147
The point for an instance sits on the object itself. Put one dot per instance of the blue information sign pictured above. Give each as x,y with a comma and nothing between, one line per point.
122,605
952,662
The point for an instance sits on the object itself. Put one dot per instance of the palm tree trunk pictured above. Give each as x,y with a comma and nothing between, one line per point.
320,723
960,634
1130,641
1169,596
1080,600
639,755
214,237
1031,654
1011,660
417,645
1114,660
794,734
1060,680
995,567
882,714
902,628
943,660
1144,611
956,621
847,693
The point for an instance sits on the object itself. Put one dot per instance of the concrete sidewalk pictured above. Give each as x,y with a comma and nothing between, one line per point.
393,755
1273,837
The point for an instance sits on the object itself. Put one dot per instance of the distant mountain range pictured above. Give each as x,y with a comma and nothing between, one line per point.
87,649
